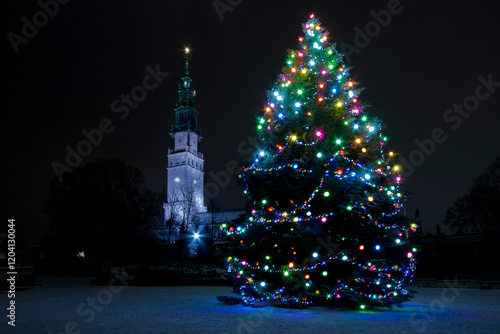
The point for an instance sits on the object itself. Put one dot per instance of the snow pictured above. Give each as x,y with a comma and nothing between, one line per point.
63,305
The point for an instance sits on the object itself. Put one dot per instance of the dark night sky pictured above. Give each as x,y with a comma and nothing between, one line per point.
65,78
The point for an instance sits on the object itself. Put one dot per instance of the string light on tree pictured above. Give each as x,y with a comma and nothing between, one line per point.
323,173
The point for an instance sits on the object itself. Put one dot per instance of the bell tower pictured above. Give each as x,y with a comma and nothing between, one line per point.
184,162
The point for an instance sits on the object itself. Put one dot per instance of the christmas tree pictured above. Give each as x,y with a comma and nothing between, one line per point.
323,193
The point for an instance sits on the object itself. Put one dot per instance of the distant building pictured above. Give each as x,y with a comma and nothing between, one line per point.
185,163
184,209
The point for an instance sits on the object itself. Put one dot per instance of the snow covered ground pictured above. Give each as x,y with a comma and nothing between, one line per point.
74,305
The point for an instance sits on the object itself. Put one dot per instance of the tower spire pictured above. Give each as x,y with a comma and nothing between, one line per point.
185,111
184,161
186,57
186,87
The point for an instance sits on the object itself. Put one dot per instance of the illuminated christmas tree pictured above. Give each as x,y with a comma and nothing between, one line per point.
323,193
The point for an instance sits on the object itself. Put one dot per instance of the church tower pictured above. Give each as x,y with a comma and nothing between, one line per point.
184,161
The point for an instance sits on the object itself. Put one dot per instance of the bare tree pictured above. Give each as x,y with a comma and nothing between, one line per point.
169,229
102,208
478,211
216,219
185,203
